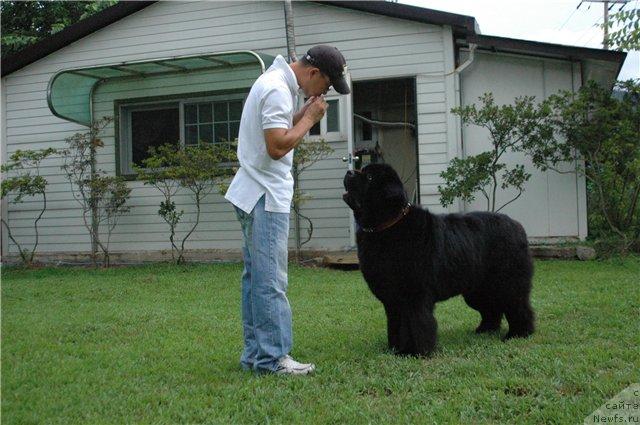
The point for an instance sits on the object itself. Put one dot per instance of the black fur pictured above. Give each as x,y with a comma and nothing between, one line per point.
427,258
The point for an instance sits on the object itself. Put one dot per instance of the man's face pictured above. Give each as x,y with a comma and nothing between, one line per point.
317,84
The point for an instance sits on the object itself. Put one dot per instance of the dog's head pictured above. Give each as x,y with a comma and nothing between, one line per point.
375,194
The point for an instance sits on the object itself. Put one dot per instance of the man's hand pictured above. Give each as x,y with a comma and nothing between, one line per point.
304,108
307,103
316,109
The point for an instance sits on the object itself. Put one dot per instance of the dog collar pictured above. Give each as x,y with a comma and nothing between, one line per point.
386,225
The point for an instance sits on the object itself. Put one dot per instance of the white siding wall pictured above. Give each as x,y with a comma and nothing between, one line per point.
553,205
375,47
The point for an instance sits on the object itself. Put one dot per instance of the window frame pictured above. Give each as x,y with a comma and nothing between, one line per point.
124,146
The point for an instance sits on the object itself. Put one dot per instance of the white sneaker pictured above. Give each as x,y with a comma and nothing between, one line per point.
288,366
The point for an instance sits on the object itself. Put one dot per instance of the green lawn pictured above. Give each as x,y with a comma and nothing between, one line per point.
160,344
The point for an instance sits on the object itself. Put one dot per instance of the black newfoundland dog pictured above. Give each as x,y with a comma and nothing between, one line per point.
412,259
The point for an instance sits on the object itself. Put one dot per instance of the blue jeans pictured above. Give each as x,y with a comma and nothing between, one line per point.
266,314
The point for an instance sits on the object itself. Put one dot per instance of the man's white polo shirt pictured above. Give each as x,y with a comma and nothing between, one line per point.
270,104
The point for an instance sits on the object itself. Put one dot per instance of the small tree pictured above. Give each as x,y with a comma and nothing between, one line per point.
604,131
157,172
198,169
102,198
25,184
305,155
512,128
110,195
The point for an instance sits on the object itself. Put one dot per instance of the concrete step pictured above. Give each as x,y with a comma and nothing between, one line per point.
350,258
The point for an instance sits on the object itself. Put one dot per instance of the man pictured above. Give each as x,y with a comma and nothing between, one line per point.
261,193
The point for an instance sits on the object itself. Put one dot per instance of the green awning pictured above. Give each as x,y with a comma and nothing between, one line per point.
70,91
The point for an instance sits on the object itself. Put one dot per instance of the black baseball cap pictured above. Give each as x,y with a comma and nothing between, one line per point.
330,61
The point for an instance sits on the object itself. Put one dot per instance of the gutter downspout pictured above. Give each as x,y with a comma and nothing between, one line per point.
291,37
458,100
291,51
462,66
94,208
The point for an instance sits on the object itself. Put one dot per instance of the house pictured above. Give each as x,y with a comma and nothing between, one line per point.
182,69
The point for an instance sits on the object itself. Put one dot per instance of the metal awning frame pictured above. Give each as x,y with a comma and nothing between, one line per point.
172,69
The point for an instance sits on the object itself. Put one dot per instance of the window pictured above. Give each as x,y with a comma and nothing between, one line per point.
153,127
315,130
330,126
182,122
333,112
212,121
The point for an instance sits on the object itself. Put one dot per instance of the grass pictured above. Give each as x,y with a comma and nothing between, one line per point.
160,344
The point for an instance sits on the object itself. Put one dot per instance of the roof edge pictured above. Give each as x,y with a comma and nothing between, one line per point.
71,34
551,49
465,24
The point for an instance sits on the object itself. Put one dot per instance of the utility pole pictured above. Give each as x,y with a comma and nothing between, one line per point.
605,40
607,8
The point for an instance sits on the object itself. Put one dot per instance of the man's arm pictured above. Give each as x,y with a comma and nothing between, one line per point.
297,116
281,140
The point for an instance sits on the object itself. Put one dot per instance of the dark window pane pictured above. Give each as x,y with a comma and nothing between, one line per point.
315,130
204,113
333,112
235,110
191,114
220,112
153,128
206,133
191,135
234,130
221,132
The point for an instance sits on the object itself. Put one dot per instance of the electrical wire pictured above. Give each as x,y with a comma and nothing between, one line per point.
565,22
385,123
586,31
586,44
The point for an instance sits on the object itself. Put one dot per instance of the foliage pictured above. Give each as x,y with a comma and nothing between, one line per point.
24,184
512,128
307,153
601,134
102,198
27,22
197,169
627,36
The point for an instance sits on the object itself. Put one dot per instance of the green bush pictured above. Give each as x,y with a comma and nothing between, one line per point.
600,132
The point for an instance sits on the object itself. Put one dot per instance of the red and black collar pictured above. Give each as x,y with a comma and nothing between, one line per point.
387,224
